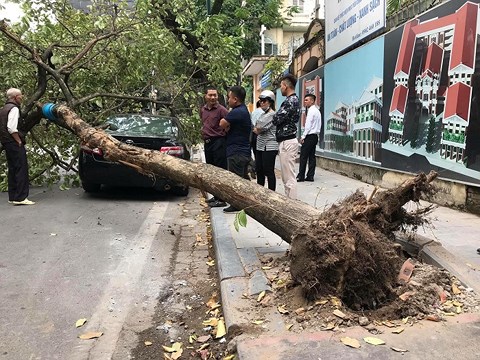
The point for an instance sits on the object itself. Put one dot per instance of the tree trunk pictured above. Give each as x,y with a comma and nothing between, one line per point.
346,250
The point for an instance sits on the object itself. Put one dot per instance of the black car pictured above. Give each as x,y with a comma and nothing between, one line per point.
155,132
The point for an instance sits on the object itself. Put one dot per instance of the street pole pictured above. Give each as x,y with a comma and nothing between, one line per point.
262,37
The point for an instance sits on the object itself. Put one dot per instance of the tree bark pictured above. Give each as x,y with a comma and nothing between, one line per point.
276,212
346,250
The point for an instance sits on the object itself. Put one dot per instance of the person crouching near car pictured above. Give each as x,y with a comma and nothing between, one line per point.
14,144
267,145
238,126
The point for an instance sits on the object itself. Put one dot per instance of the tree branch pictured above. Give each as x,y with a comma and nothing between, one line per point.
216,7
4,28
118,96
66,68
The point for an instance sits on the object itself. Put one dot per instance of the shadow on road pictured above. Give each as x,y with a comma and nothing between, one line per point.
131,193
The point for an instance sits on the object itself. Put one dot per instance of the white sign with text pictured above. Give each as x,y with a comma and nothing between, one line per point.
348,21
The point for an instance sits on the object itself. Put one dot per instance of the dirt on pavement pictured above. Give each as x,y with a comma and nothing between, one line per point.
188,319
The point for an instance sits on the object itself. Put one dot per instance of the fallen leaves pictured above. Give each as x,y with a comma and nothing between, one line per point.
351,342
90,335
221,330
203,338
80,322
339,314
455,289
373,341
211,263
330,326
433,317
175,350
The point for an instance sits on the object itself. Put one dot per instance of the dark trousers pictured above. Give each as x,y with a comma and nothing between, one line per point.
307,153
253,145
265,165
216,152
17,171
238,164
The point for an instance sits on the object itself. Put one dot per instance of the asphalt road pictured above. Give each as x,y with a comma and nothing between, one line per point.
105,258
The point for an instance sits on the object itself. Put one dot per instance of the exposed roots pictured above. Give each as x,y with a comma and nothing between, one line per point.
349,252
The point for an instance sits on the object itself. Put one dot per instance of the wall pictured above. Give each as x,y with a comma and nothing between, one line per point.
409,102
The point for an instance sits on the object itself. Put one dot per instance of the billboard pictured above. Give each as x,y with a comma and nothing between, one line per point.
408,100
353,103
431,112
349,21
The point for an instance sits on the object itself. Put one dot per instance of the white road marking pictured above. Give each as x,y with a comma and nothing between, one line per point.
112,310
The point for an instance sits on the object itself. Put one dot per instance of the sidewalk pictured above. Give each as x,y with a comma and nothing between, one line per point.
451,242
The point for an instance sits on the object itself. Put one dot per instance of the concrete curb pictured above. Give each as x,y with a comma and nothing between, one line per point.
234,280
228,261
432,252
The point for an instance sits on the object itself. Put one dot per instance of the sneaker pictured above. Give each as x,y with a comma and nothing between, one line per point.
309,179
230,210
10,201
478,250
212,199
300,180
24,202
217,203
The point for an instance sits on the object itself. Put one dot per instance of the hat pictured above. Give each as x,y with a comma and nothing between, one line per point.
267,94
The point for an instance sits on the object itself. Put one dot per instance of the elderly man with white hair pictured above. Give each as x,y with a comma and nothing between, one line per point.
12,141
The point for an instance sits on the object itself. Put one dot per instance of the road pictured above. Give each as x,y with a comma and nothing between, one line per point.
106,258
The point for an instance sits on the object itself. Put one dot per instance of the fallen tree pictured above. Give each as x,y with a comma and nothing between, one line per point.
347,250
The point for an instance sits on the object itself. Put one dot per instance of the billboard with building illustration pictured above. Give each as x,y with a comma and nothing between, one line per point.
409,100
353,104
431,112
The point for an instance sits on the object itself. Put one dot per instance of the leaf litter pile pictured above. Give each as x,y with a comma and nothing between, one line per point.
429,294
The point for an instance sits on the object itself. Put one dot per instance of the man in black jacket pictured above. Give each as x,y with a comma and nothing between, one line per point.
14,145
286,120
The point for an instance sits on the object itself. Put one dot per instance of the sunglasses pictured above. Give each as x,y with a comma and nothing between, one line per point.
263,100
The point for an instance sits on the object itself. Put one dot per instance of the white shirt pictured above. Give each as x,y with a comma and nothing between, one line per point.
313,123
12,122
255,115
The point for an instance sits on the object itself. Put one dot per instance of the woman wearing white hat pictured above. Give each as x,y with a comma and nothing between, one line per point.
267,145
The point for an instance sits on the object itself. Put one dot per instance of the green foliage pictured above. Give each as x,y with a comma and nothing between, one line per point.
134,52
395,5
343,143
277,66
240,220
431,135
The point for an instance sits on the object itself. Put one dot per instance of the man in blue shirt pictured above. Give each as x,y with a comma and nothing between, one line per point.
238,126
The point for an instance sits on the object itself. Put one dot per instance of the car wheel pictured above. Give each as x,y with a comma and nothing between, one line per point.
91,187
180,190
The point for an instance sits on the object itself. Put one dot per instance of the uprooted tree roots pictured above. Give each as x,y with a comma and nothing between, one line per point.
349,252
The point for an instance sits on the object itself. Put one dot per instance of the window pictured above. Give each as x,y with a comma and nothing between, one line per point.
270,47
299,4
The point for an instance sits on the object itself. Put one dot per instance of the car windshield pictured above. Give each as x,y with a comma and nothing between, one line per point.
141,125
